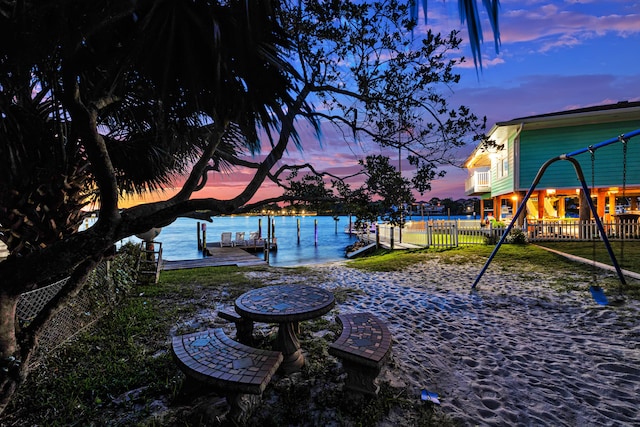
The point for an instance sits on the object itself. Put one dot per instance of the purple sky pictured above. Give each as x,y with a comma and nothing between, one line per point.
554,55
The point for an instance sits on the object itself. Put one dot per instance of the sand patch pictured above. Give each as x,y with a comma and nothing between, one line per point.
516,351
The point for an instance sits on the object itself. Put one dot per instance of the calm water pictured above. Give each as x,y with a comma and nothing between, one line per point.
180,239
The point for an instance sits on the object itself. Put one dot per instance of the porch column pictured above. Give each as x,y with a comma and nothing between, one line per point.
585,212
561,207
602,202
541,194
481,210
612,206
516,202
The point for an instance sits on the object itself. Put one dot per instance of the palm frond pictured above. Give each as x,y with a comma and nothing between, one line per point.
468,11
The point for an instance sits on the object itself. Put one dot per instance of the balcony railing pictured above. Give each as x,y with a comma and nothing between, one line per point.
479,182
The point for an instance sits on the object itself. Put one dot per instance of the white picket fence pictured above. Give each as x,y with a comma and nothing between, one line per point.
575,230
453,233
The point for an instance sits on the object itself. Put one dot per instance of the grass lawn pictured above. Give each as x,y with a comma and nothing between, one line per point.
121,372
511,256
627,254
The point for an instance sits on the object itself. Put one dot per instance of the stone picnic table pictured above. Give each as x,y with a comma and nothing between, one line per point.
286,305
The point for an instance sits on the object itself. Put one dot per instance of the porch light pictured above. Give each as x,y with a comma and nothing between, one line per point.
613,190
551,191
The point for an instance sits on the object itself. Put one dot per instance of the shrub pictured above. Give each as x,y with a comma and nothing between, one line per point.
516,236
497,224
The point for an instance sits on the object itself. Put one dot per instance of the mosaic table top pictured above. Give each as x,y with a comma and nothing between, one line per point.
284,303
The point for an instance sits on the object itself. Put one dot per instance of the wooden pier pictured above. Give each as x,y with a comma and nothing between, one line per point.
227,256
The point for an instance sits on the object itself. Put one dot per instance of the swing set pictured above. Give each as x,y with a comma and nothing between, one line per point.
596,292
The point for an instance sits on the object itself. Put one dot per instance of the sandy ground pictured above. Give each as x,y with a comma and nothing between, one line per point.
514,352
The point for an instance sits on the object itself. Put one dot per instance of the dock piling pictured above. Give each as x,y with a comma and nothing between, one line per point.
204,239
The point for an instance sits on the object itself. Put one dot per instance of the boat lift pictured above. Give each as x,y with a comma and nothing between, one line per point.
576,165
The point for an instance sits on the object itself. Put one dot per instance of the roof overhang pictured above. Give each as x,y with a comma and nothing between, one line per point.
502,131
622,111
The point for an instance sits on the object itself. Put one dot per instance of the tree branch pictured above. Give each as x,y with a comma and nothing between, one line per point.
286,132
85,123
200,168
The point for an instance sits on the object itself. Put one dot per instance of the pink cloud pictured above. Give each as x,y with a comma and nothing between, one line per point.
566,27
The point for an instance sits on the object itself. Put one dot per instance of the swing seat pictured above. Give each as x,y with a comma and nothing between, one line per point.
598,295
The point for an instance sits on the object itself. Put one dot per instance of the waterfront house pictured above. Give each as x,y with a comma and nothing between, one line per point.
503,170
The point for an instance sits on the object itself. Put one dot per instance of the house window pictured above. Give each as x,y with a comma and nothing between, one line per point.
503,167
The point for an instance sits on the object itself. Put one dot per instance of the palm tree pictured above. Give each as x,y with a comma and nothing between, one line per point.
101,98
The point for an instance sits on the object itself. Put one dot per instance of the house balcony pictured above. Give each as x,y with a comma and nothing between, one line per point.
478,183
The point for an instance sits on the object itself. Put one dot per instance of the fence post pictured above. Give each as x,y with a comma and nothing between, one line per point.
455,235
392,231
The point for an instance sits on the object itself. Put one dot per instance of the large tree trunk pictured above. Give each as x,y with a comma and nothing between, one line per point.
9,365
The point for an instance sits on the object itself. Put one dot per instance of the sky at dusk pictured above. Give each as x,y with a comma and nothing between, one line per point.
554,55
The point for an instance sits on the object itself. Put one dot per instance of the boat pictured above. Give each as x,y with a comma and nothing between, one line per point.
359,248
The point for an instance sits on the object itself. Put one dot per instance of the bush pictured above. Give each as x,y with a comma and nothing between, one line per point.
111,280
497,224
516,236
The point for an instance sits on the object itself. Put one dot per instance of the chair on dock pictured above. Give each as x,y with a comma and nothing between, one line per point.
225,239
254,240
240,239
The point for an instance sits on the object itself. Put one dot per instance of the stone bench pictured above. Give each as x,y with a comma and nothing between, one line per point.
363,346
244,327
239,372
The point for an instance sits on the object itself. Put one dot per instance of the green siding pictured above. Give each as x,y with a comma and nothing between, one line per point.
505,184
538,146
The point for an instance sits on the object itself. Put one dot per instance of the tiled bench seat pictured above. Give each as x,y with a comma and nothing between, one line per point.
363,345
232,368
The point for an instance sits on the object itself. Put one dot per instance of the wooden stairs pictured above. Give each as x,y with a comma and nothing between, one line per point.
149,262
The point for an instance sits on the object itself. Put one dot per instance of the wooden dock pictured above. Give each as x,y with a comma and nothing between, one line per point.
219,257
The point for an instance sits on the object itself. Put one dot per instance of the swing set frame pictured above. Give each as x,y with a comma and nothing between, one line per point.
585,188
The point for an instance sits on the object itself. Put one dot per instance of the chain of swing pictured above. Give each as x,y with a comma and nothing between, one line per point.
592,151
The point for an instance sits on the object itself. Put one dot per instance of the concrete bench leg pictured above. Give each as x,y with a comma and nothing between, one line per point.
244,332
361,378
241,406
244,327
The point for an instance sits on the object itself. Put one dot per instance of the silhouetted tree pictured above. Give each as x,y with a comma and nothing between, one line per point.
102,99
